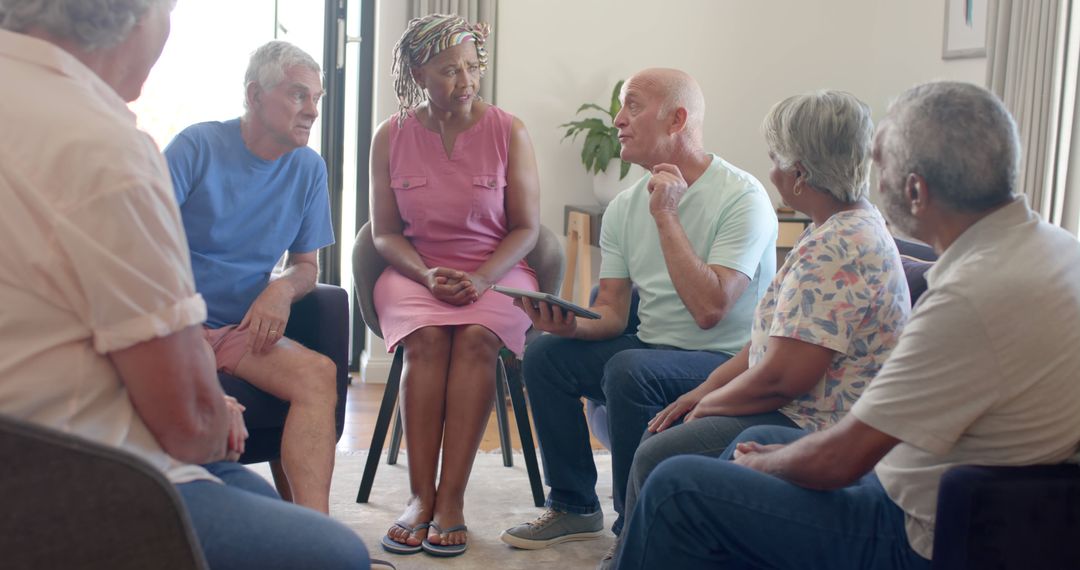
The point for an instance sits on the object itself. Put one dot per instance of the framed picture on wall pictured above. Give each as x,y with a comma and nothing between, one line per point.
965,29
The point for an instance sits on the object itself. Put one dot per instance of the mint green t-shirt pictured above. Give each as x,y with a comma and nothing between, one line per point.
729,221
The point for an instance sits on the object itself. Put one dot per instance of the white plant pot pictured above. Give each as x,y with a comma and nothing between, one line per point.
606,184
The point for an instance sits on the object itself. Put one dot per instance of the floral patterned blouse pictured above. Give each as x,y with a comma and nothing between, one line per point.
841,287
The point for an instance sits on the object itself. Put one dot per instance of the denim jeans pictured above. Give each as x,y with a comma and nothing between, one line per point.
700,512
244,524
636,380
708,436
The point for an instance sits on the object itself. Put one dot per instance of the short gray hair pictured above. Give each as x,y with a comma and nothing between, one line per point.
268,64
830,133
92,24
960,138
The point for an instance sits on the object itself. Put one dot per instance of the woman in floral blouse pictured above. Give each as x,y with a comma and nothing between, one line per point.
831,315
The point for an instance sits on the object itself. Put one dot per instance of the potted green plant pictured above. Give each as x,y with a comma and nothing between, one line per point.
601,146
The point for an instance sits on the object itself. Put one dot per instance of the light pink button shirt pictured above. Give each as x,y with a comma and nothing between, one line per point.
94,258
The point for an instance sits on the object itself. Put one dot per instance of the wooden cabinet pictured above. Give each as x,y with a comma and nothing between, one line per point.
791,226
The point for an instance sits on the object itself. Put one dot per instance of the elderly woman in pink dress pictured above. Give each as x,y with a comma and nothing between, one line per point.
454,206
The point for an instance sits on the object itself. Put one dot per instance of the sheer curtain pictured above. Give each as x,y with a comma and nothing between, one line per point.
473,11
1032,61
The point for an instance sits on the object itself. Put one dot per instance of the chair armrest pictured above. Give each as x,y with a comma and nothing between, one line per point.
1008,517
320,321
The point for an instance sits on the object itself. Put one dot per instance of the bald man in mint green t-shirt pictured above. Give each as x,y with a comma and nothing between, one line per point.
697,238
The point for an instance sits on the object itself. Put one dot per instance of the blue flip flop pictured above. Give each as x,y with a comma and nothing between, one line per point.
446,550
394,547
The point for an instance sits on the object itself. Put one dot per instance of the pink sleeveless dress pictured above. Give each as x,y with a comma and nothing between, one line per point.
455,216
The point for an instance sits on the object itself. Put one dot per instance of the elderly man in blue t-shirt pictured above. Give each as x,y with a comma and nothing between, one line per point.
249,191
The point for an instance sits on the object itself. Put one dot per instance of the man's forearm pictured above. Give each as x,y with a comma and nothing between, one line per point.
610,324
172,384
806,463
829,459
299,277
695,282
516,245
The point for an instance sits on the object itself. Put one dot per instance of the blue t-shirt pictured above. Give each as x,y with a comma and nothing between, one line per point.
242,213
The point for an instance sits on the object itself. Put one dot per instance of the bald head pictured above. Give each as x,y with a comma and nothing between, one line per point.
676,89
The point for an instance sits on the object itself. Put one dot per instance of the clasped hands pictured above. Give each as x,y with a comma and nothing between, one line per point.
456,287
238,432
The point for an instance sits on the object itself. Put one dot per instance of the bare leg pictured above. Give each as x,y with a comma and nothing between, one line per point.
281,480
307,380
469,394
422,401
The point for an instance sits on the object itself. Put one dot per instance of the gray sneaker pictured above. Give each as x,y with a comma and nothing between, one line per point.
554,527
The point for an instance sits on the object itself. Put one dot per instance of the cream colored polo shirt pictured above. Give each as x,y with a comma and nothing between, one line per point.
986,371
93,257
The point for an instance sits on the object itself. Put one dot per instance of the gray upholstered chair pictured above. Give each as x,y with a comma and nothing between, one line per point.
547,260
71,503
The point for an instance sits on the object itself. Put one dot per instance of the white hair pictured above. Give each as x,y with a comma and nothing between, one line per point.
268,64
830,133
92,24
960,138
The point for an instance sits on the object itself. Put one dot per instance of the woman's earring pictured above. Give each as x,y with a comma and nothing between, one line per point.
797,190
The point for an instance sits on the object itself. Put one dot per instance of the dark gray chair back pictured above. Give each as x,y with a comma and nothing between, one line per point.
71,503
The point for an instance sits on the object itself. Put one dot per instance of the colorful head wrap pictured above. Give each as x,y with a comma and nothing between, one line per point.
424,39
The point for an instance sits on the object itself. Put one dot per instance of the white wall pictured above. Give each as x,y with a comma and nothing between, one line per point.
555,55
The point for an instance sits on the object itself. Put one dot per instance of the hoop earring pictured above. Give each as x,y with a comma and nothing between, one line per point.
797,191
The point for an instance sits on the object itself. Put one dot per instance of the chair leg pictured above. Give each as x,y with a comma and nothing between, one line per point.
382,424
501,415
521,415
395,439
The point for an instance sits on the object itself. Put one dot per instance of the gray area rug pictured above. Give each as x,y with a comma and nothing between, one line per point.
497,498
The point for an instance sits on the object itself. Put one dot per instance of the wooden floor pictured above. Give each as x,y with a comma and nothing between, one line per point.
362,408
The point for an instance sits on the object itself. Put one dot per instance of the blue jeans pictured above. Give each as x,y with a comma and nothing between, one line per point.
635,379
244,524
698,512
709,436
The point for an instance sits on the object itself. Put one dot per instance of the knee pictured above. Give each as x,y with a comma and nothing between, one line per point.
426,344
316,378
671,476
625,376
540,355
650,453
476,343
327,543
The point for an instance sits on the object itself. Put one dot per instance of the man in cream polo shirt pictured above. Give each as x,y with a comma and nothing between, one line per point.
985,372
